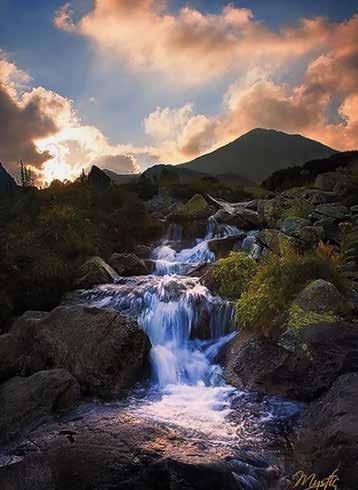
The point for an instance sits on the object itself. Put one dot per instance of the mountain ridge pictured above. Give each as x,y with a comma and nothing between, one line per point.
258,153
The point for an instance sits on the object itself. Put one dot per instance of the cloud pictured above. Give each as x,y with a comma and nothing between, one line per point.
42,128
123,164
198,46
321,106
21,120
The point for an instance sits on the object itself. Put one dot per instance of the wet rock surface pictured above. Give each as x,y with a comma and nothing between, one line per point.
100,447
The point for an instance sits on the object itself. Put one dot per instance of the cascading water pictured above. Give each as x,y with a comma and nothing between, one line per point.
187,327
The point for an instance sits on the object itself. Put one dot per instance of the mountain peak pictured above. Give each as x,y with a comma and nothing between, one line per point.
258,153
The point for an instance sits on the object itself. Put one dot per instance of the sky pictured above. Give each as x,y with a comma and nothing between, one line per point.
125,84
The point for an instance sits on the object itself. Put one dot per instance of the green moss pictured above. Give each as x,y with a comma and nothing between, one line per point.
234,273
299,318
299,208
265,304
195,205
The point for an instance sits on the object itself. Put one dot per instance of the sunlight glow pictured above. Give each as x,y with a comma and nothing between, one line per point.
56,168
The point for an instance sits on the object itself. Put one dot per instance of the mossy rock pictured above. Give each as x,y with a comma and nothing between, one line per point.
277,242
320,297
271,210
195,208
95,271
292,225
310,235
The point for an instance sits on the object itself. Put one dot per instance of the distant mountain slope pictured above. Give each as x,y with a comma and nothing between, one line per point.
187,176
7,183
120,179
258,153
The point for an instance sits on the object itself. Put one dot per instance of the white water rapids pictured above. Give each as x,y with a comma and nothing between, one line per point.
188,327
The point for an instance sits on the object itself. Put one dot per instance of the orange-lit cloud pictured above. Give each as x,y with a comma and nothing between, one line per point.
198,46
322,105
43,129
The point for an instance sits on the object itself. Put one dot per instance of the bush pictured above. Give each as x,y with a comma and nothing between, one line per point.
233,274
264,305
47,234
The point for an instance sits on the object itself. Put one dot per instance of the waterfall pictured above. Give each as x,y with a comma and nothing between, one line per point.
187,326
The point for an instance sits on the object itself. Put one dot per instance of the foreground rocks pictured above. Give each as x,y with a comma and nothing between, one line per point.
103,447
16,347
104,350
25,400
328,438
302,371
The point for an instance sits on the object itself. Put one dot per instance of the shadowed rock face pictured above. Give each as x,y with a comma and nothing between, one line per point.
100,448
268,367
103,349
24,400
329,434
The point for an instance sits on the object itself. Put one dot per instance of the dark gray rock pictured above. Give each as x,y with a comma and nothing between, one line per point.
24,400
95,271
290,226
142,251
328,438
265,366
334,210
104,350
221,247
16,347
320,297
128,264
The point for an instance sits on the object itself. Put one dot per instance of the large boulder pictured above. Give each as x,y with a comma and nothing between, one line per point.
270,211
221,247
292,225
24,400
95,271
196,208
277,242
328,437
333,210
301,371
320,296
240,216
128,264
104,350
310,235
301,228
142,251
12,352
16,346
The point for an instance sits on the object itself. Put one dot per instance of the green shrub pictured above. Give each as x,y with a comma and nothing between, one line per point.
264,305
234,273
